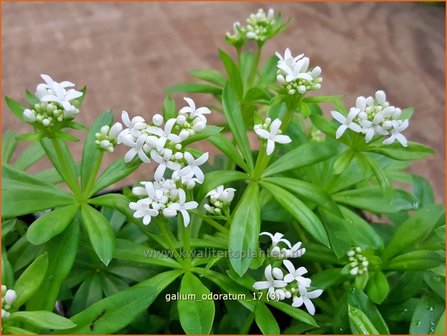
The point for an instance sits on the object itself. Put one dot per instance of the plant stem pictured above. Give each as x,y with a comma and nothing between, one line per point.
92,177
261,162
255,66
187,244
171,244
71,180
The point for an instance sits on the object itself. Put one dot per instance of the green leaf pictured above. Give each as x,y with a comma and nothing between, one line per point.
30,280
413,229
324,125
115,201
9,144
296,314
15,107
415,261
328,278
323,99
61,251
100,233
51,224
426,315
31,98
33,136
9,329
436,282
209,131
233,73
440,327
91,154
308,220
406,113
115,172
23,194
379,173
87,294
304,155
169,108
42,319
306,190
265,320
414,151
235,121
196,315
219,177
343,161
372,199
227,148
195,88
115,312
130,251
30,156
66,136
210,75
244,230
423,191
378,287
360,323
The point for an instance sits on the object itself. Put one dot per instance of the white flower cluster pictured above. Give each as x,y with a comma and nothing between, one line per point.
8,298
373,117
220,199
107,137
56,103
162,144
161,197
259,27
294,73
291,285
358,262
270,131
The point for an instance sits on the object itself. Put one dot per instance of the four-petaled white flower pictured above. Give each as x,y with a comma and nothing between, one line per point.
398,126
346,122
164,134
271,282
164,161
276,238
305,297
272,135
142,210
138,148
192,169
296,274
181,206
192,110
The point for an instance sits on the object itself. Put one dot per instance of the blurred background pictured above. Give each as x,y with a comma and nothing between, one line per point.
128,54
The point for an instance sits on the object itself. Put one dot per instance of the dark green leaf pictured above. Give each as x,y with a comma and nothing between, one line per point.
195,88
9,144
169,108
15,107
227,148
205,134
360,323
42,319
115,172
414,151
378,287
29,157
233,73
210,75
426,315
415,261
265,320
296,314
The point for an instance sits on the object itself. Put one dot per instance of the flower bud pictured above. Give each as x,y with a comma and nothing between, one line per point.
29,115
157,119
10,296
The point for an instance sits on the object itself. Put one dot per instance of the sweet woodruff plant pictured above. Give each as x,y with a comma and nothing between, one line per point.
308,230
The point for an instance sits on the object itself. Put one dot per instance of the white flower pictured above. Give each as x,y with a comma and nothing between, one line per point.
346,122
164,162
192,110
106,138
56,92
222,194
164,134
305,297
358,263
29,115
398,126
135,125
296,251
182,207
272,136
276,238
10,296
142,210
137,148
296,274
271,283
192,169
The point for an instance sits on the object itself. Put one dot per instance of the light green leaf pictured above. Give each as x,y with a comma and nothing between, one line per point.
244,230
209,131
9,144
308,220
414,151
91,153
360,323
419,260
100,233
227,148
195,88
426,315
378,287
304,155
15,107
42,319
115,172
233,73
169,108
210,75
196,315
51,224
265,320
30,280
235,121
296,314
30,156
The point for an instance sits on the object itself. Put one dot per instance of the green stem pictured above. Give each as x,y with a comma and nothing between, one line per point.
246,327
255,67
187,244
92,177
261,162
71,180
214,224
171,244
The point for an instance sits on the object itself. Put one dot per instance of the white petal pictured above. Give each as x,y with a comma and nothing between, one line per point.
340,131
201,160
297,301
270,146
264,134
355,127
289,266
125,119
268,273
186,218
159,172
338,116
401,138
309,306
130,155
274,127
314,294
259,285
282,139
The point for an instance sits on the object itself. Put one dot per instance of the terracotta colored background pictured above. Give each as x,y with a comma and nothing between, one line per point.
129,53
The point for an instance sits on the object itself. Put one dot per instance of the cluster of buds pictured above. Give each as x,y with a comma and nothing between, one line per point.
294,74
270,131
358,263
163,197
107,137
220,199
291,285
260,27
373,117
57,104
8,298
